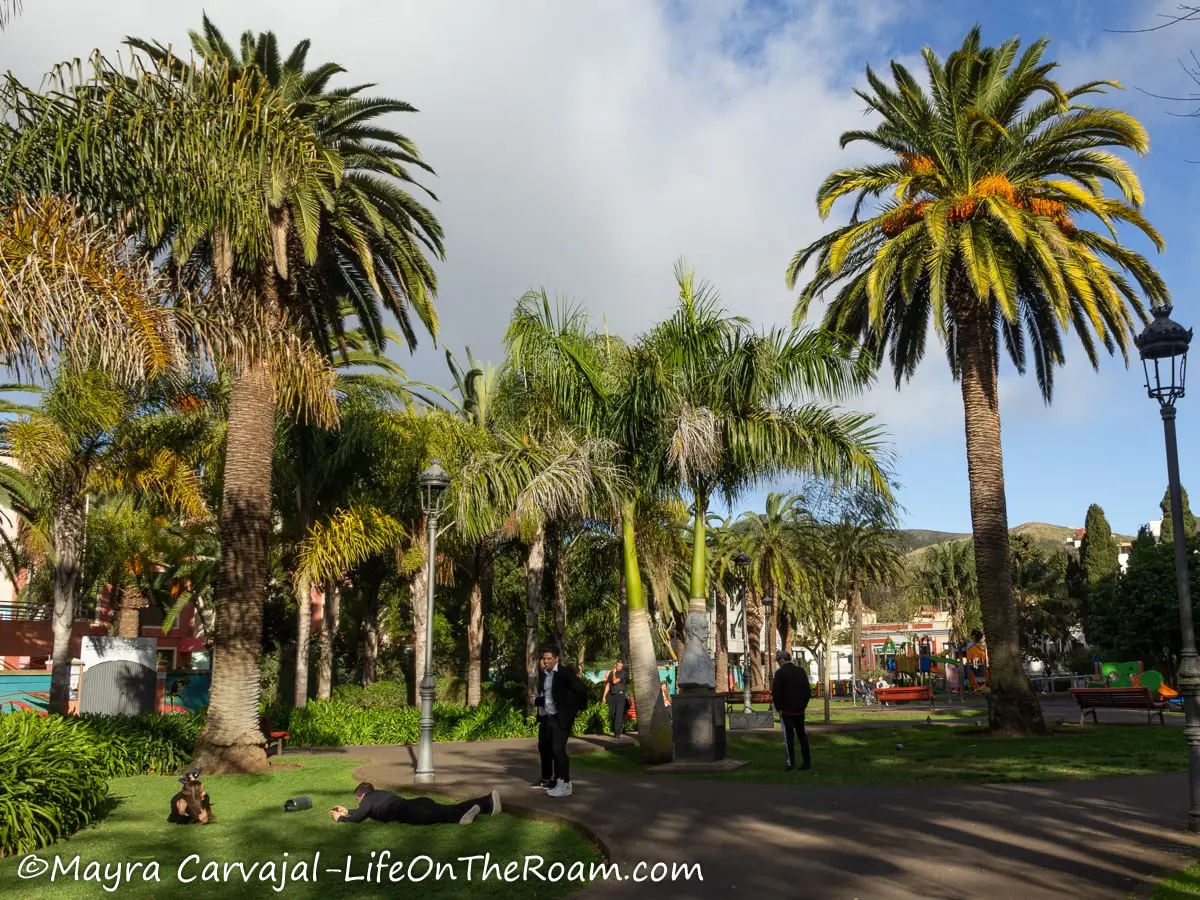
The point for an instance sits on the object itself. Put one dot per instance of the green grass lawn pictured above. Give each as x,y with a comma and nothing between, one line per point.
250,826
941,755
844,712
1183,884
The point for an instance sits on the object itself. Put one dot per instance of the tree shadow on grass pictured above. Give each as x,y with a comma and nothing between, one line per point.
250,826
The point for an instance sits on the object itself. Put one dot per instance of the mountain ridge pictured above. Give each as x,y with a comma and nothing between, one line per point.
918,540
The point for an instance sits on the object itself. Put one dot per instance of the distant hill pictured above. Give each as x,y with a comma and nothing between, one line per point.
919,540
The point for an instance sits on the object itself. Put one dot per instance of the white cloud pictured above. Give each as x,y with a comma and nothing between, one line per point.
584,146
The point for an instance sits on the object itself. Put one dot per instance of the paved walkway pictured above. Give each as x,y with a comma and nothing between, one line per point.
1095,839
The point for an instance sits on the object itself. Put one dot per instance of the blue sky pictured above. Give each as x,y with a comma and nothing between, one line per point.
583,147
1101,440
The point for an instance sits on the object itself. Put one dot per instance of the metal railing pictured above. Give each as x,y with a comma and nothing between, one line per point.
25,612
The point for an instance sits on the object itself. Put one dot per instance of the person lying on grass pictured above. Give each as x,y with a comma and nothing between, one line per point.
191,805
384,806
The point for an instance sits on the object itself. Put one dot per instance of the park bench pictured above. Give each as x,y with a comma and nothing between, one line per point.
904,694
739,698
1091,699
274,738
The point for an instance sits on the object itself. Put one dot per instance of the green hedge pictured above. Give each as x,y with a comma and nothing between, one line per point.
54,770
336,723
144,745
52,780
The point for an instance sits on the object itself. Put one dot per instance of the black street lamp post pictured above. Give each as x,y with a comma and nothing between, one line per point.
433,483
742,561
1163,347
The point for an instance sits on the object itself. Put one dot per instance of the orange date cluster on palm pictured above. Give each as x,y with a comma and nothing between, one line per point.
964,207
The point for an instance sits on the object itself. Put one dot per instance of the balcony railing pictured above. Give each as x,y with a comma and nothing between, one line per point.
25,612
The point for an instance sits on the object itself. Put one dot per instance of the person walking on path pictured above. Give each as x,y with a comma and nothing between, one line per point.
562,695
384,806
615,686
790,693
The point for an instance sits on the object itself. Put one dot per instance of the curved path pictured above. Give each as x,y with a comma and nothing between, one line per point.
1095,839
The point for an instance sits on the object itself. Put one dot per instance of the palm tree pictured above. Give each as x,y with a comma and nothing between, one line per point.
567,375
989,168
283,204
862,549
83,440
733,422
315,478
946,576
771,541
526,483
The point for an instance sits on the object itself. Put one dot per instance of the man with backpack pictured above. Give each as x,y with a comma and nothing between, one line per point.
790,693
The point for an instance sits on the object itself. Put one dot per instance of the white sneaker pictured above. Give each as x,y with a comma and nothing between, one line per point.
495,803
562,789
469,816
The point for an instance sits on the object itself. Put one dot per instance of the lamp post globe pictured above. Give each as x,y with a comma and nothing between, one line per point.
1163,347
432,484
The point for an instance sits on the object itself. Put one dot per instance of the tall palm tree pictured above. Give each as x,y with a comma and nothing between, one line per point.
524,484
617,393
283,208
770,539
946,576
862,549
739,415
315,478
990,167
83,440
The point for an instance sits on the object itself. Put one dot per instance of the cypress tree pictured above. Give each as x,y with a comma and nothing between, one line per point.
1167,533
1098,550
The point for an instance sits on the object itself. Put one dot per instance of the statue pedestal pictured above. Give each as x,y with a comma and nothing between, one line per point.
698,725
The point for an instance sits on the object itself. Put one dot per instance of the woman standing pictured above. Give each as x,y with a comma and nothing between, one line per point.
615,684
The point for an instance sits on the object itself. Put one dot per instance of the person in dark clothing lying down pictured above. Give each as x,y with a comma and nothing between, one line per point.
384,806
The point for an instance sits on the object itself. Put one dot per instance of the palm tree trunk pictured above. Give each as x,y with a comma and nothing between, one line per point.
475,628
232,740
856,624
828,657
560,593
535,575
371,587
654,725
722,658
68,529
130,602
623,637
329,628
303,635
785,628
754,627
1012,706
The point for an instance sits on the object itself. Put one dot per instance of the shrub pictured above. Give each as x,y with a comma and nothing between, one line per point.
337,723
380,695
52,780
143,745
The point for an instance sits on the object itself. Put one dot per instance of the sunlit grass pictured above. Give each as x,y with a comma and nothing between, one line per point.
1184,883
250,825
942,755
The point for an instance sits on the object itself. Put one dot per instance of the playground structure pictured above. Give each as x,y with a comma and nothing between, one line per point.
911,664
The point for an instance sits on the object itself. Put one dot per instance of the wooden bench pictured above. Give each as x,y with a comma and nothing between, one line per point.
739,698
1091,699
274,738
904,694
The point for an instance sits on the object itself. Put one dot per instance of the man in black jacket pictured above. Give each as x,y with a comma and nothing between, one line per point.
561,695
384,806
790,693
